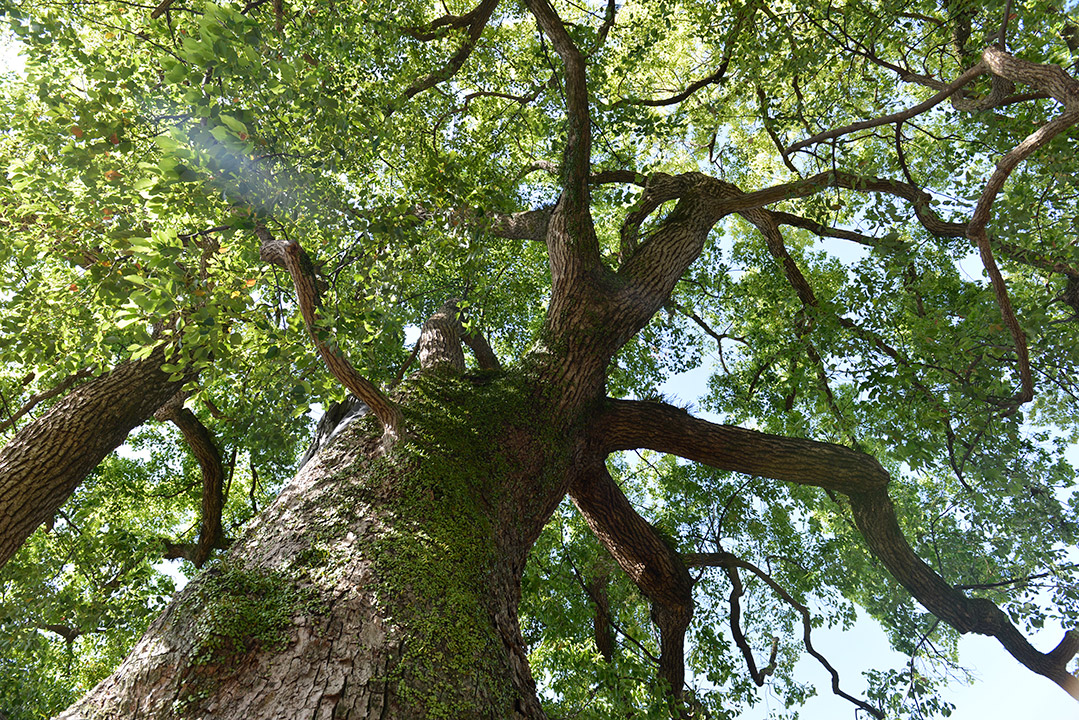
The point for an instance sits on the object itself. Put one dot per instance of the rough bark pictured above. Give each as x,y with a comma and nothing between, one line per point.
377,585
292,257
646,557
629,424
46,460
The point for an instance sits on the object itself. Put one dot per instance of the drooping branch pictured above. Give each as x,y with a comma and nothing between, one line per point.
290,255
730,563
635,424
601,622
1063,88
203,447
875,518
735,600
645,556
46,460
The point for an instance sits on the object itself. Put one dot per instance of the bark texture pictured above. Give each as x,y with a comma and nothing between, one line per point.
377,585
46,460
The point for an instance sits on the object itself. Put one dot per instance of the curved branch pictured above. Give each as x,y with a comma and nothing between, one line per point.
645,556
714,78
635,424
976,231
476,22
436,28
291,256
1049,79
202,445
730,562
46,460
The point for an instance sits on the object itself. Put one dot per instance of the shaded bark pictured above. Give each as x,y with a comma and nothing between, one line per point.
628,424
47,459
202,445
646,557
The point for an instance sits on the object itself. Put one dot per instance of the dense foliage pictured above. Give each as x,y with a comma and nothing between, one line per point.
144,147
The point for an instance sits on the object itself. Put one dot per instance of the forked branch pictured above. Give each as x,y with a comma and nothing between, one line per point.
475,21
731,563
641,551
202,445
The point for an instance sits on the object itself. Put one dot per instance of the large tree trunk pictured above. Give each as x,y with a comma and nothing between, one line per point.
377,585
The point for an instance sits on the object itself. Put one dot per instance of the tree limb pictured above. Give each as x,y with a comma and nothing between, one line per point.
46,460
1054,81
646,557
436,28
476,22
744,15
32,402
291,256
577,156
918,109
202,445
526,225
730,563
440,340
635,424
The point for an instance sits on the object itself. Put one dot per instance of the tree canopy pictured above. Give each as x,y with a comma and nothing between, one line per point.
860,216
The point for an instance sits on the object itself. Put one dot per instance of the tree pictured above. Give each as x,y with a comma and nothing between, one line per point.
218,215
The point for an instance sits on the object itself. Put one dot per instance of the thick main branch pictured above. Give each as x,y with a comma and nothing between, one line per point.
632,424
46,460
641,551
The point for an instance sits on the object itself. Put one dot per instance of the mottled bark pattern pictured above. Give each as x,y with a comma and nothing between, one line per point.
343,648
